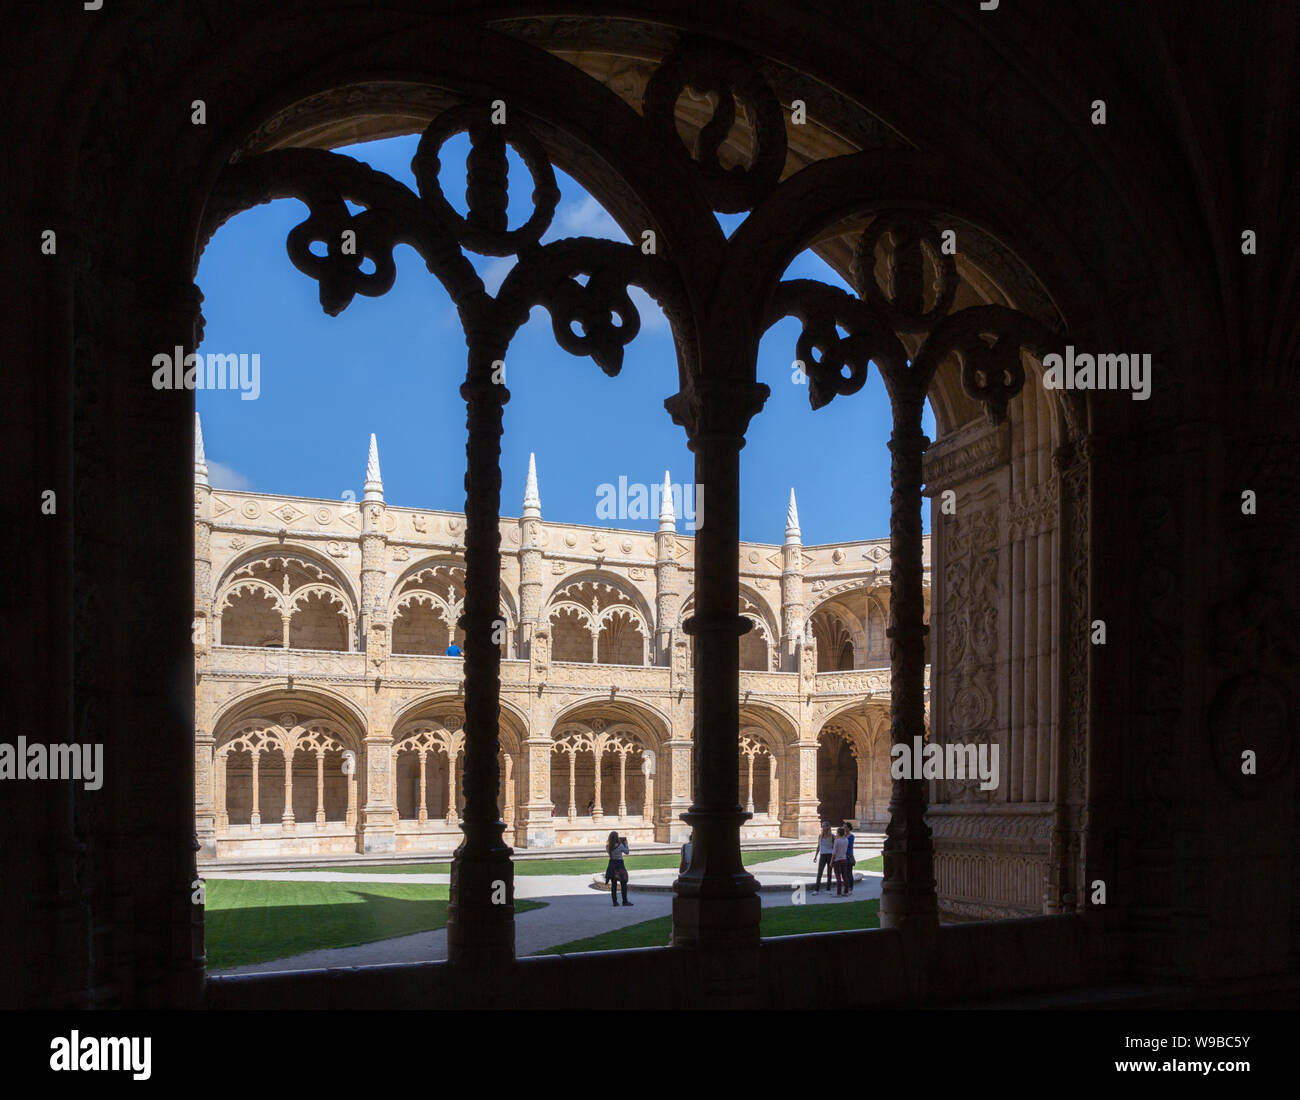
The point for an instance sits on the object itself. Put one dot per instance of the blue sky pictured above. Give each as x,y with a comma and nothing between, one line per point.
392,365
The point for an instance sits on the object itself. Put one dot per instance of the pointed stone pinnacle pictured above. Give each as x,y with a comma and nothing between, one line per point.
667,520
373,489
792,532
200,460
532,500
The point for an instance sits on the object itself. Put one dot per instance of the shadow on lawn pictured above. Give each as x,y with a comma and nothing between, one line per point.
259,933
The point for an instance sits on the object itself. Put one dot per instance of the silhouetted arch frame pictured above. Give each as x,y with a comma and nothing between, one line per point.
719,295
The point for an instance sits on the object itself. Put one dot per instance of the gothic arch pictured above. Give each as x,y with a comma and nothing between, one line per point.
283,763
296,612
612,612
758,645
603,764
272,697
638,713
428,573
328,572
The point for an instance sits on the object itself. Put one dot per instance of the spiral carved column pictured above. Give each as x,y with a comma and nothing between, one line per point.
481,913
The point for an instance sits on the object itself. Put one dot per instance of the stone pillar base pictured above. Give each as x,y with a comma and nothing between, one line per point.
378,833
806,821
206,835
907,896
716,923
540,834
715,903
481,913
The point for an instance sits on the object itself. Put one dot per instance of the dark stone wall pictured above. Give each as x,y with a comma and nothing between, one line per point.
1134,228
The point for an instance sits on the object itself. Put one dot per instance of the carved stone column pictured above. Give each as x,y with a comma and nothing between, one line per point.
622,785
374,542
320,788
286,818
255,817
423,816
1067,869
203,633
908,898
530,561
597,808
807,822
668,598
792,597
392,787
749,792
481,911
509,798
204,811
451,787
540,828
674,759
715,902
377,831
222,815
572,760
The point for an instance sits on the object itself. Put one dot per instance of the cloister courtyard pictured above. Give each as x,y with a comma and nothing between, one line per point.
353,915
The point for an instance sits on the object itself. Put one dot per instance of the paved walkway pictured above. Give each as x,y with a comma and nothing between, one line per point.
573,910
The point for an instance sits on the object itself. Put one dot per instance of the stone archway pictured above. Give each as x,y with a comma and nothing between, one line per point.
603,772
837,775
284,783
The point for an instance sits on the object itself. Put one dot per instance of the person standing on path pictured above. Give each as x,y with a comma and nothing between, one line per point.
616,872
686,854
852,860
825,844
839,860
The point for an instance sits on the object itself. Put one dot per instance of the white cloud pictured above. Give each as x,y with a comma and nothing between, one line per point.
221,476
586,218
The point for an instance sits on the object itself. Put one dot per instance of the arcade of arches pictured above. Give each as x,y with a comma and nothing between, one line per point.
310,744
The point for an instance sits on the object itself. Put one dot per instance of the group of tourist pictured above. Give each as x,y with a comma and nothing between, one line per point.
835,852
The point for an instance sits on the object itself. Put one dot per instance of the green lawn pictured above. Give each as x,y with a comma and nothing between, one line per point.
875,864
251,921
783,920
588,865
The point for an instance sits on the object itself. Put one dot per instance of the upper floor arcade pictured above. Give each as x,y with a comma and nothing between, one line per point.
276,572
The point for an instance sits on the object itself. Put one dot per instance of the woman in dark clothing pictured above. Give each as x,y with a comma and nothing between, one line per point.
616,872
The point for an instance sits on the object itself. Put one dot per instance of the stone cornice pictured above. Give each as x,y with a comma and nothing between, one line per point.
967,453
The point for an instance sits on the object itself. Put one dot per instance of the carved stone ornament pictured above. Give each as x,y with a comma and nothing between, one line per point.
1250,733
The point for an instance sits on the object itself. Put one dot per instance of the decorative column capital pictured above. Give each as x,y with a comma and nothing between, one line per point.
712,408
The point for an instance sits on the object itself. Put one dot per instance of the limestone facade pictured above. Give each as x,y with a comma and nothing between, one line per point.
321,636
